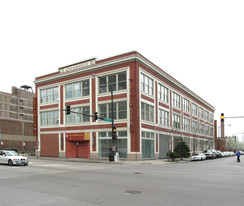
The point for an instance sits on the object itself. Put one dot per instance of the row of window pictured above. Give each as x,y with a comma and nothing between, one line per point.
116,82
80,89
148,144
147,87
163,119
82,114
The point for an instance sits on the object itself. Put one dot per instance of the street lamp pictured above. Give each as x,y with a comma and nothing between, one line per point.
112,102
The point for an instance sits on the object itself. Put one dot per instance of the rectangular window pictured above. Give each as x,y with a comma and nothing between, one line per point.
49,95
147,145
186,123
194,109
122,81
201,115
77,89
194,126
163,117
211,131
50,118
86,88
115,81
147,85
176,100
176,121
103,85
201,145
69,91
201,128
120,108
163,93
105,143
206,130
78,115
110,110
211,118
207,116
112,82
147,112
194,145
186,105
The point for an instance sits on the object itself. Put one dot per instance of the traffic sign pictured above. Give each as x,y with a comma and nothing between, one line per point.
107,120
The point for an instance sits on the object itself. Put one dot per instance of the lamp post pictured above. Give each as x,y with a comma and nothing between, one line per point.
112,107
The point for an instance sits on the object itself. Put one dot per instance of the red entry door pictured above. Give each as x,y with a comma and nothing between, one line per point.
83,149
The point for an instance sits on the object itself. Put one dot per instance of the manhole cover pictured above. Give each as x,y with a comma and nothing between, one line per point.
132,192
137,173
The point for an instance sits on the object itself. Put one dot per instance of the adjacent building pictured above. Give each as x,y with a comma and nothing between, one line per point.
152,110
16,119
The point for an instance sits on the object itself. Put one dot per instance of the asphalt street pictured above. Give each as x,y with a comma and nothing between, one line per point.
56,182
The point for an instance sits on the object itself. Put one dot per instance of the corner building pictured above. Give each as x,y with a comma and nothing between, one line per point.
152,110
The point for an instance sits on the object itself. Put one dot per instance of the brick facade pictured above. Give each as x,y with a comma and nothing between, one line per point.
16,120
139,105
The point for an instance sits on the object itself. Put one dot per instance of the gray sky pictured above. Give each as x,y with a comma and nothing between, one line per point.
200,43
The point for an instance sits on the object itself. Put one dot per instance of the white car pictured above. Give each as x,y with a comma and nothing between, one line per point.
198,156
12,158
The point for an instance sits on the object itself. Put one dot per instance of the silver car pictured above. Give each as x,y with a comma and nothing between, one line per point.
198,156
12,158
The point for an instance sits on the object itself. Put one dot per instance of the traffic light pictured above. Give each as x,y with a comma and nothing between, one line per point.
67,109
222,117
114,136
95,116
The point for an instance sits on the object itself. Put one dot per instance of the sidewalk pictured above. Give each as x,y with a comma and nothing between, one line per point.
106,161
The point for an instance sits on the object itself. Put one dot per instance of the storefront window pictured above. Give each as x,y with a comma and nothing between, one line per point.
147,145
105,144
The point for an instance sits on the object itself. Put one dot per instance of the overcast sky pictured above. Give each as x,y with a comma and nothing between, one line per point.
200,43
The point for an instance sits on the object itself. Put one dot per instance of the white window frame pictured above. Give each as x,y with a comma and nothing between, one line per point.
147,84
147,112
163,93
186,105
176,100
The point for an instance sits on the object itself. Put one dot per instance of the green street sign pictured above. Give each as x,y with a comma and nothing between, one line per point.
107,120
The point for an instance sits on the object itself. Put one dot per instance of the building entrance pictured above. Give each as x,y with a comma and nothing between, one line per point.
163,146
83,149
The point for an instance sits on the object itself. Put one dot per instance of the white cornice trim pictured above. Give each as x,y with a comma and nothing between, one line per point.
120,60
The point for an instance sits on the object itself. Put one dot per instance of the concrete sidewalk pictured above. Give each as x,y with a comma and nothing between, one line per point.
106,161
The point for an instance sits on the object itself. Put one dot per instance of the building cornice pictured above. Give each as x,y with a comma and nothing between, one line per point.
116,60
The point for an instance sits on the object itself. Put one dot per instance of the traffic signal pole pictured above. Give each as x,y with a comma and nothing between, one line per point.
223,123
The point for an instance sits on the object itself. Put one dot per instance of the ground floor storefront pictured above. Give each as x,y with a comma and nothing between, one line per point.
98,145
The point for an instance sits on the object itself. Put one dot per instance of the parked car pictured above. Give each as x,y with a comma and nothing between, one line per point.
12,158
210,154
218,154
198,156
224,154
12,149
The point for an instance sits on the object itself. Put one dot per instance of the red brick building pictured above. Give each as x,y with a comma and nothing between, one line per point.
152,110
